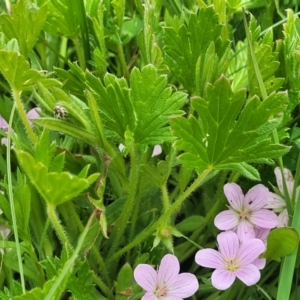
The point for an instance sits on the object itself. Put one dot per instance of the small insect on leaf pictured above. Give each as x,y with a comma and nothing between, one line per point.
60,112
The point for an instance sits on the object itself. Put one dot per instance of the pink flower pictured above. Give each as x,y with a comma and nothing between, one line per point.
277,202
166,283
232,260
31,114
4,231
288,178
262,234
246,212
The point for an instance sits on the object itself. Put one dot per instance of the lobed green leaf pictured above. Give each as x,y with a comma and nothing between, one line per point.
229,132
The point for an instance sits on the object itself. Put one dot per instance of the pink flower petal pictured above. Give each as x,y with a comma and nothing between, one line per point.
222,279
283,219
264,218
275,202
261,233
228,243
227,219
234,195
4,231
259,263
257,197
149,296
33,113
185,285
3,124
121,147
245,230
4,141
157,150
209,258
146,277
248,274
250,250
278,176
288,177
168,269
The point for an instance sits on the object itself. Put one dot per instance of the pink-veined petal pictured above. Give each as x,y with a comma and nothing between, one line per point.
234,195
168,269
222,279
283,219
3,124
275,202
245,230
228,243
264,218
248,274
259,263
261,233
149,296
209,258
257,197
146,277
185,285
289,180
250,250
227,219
33,113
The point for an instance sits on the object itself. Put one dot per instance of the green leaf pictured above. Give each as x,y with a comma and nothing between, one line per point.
22,198
237,68
62,20
143,109
152,174
67,128
24,24
44,151
267,62
56,188
81,284
227,136
117,114
124,283
34,294
184,46
15,68
281,242
290,54
119,8
190,224
153,104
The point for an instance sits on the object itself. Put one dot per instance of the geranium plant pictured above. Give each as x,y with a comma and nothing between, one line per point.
139,141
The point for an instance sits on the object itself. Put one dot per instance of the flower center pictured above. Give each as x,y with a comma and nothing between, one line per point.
161,291
244,214
232,264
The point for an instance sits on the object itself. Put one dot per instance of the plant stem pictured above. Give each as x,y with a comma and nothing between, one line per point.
173,208
95,252
165,197
22,113
129,205
186,249
57,225
11,200
122,61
